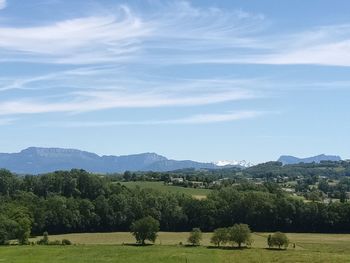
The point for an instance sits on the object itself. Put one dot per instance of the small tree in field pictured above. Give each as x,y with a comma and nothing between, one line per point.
195,237
46,238
240,234
220,237
278,239
145,229
269,241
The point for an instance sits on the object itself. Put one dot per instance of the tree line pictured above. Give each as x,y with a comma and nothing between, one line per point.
77,201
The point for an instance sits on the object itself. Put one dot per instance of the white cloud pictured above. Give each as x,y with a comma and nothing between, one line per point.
192,35
179,33
329,45
333,54
82,40
3,4
118,38
212,118
103,100
173,33
103,88
114,40
321,46
191,120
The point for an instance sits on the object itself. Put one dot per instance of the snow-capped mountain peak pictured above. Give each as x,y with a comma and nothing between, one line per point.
242,163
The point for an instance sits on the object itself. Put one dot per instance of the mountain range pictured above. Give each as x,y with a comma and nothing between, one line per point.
35,160
287,159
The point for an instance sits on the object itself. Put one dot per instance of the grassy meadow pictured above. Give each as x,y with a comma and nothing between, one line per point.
195,192
108,247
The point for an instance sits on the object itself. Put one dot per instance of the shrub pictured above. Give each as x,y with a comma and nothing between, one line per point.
66,242
55,243
44,240
195,237
278,239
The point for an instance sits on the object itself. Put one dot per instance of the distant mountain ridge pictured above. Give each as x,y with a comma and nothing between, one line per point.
36,160
287,159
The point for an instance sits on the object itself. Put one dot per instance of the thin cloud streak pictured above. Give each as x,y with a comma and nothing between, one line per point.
325,46
104,100
191,120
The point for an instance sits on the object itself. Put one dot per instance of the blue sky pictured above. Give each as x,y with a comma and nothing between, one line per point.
201,80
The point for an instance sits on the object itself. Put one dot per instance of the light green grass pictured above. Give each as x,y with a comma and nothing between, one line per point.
105,253
106,247
161,254
195,192
119,238
174,238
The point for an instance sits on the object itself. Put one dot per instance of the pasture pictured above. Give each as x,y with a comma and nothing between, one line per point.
195,192
107,247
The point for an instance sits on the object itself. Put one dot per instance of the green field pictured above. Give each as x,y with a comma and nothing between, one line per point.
107,247
195,192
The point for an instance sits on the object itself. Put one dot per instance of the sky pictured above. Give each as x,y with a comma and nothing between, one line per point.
201,80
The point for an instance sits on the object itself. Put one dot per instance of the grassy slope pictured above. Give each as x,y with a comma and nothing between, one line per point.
196,192
103,247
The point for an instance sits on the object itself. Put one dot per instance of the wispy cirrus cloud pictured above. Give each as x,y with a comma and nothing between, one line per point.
88,101
325,45
92,39
112,45
104,88
173,33
190,120
173,29
105,54
322,46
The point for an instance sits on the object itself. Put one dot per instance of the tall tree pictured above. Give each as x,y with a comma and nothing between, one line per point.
240,234
145,229
220,236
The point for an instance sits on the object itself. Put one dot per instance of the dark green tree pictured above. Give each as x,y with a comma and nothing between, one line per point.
145,229
220,236
240,234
